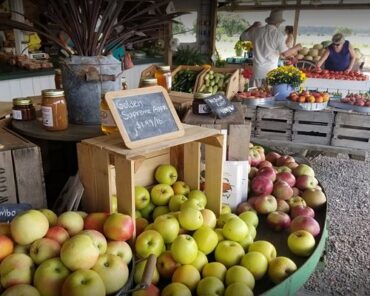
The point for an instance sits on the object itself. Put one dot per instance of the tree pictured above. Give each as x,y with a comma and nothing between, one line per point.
345,31
178,28
230,24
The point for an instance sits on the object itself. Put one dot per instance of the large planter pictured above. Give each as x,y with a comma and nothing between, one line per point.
84,79
282,91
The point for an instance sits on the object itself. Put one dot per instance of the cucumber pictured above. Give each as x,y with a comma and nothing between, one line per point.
213,83
215,89
220,83
206,77
210,89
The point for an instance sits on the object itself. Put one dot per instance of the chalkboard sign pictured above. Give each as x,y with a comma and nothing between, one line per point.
10,210
220,105
144,116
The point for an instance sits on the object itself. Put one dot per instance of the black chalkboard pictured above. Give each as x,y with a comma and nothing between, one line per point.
144,114
9,211
220,105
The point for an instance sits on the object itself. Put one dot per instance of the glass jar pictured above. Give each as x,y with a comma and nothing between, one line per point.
199,106
124,83
145,82
23,109
58,79
164,77
108,126
54,110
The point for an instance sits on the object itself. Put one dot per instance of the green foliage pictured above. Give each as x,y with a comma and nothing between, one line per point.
345,31
187,55
178,28
230,24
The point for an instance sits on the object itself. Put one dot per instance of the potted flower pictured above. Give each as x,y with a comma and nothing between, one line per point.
94,28
239,48
284,80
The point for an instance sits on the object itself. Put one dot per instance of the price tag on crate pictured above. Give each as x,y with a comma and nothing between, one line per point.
220,105
144,116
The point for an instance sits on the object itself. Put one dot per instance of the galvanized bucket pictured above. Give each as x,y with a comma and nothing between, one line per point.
84,79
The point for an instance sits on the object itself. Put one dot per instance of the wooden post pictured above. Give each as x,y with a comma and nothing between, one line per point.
296,21
167,49
213,23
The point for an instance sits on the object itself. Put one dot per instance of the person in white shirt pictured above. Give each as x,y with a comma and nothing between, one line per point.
268,45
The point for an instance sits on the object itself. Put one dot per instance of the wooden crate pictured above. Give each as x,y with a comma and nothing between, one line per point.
198,69
250,116
313,127
21,172
105,164
181,103
274,123
351,130
233,86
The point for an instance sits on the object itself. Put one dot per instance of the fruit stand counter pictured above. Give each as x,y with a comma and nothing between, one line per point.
331,130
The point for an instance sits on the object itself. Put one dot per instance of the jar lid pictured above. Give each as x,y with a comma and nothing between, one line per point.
164,68
58,71
52,93
22,101
200,95
149,80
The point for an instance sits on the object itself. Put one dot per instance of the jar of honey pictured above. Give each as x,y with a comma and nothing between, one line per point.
164,77
54,110
108,126
23,109
145,82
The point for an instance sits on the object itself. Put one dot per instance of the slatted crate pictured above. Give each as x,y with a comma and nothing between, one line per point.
274,123
351,130
313,127
250,115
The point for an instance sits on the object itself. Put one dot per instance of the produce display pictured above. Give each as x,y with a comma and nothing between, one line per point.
311,54
257,93
339,75
362,100
214,82
184,81
197,253
309,97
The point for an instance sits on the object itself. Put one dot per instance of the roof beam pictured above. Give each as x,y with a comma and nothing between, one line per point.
236,7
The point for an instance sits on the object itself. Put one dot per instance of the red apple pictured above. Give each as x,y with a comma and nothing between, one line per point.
305,223
166,265
95,221
291,165
278,220
57,233
284,160
262,185
265,204
151,291
243,207
268,172
272,157
282,206
282,190
255,157
296,191
264,163
119,227
251,200
141,223
287,177
302,211
306,182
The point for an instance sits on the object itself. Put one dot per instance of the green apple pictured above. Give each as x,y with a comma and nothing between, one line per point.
239,273
200,261
142,197
256,263
264,247
252,230
238,289
223,218
209,218
29,226
180,187
210,286
79,252
121,249
206,239
138,214
235,229
149,242
44,248
166,174
229,253
280,268
49,277
192,203
51,216
21,289
296,201
184,249
215,269
176,201
159,211
22,249
168,227
147,211
303,169
301,243
16,269
98,239
71,221
225,209
220,235
161,194
246,242
166,265
113,271
139,271
176,289
83,282
190,219
198,195
249,217
187,275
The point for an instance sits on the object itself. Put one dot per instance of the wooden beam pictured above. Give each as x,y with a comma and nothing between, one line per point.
236,7
213,24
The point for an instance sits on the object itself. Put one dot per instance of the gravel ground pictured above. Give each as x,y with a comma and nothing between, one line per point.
347,263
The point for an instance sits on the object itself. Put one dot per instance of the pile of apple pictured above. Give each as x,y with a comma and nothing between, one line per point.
73,254
362,100
309,97
256,93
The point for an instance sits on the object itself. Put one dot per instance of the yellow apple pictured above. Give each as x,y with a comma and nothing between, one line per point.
187,275
215,269
83,282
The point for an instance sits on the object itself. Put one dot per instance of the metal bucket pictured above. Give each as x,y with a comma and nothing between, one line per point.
84,79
